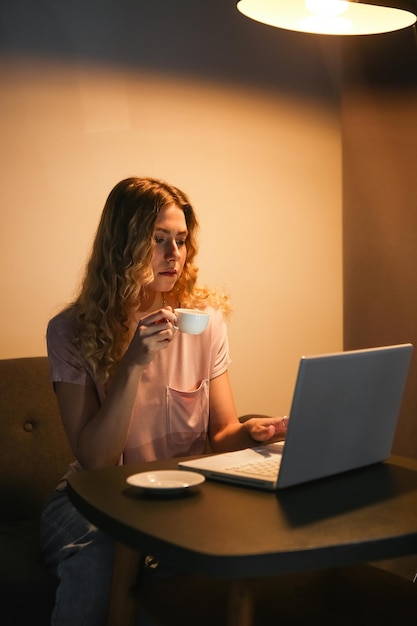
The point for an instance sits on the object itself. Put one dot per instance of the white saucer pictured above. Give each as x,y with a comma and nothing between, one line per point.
165,481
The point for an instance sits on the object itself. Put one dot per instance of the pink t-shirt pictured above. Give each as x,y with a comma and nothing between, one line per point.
171,413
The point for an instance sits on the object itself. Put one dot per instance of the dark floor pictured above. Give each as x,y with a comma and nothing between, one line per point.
357,596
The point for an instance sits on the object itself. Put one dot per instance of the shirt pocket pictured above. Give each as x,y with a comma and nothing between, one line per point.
187,419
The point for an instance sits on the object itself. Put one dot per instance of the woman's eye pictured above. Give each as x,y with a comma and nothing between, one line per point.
178,242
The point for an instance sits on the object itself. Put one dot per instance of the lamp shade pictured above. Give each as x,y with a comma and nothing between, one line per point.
327,17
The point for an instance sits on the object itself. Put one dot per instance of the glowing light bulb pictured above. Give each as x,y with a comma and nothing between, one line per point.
326,16
327,7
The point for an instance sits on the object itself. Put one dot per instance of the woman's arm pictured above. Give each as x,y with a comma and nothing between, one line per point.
226,432
98,433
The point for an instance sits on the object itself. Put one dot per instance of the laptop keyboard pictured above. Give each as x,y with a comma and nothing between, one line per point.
267,468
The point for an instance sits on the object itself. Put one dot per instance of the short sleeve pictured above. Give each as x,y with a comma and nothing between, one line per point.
65,363
221,357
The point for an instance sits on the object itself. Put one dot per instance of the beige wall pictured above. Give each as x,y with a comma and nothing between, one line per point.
263,169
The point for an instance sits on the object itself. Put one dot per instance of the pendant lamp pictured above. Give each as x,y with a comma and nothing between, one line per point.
327,17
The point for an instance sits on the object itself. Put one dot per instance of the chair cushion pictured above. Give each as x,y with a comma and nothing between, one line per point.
35,450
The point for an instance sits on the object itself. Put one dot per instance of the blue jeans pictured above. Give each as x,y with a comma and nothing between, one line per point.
81,556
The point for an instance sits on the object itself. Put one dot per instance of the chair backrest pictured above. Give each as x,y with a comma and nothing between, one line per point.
34,451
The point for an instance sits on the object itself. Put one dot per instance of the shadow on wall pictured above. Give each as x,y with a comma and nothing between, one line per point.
382,60
160,35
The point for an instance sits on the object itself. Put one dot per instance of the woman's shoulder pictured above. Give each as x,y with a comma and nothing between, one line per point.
66,361
215,312
217,322
211,299
62,323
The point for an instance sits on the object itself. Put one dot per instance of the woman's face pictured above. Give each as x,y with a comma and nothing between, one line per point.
170,251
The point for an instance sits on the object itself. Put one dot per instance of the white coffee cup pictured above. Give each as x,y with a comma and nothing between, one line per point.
191,321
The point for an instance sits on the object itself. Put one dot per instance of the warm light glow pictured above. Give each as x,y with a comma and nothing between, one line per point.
327,7
327,17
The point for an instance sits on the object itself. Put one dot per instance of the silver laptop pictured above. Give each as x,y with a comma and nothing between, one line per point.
343,416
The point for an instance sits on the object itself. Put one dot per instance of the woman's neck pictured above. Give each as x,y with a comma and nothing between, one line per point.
151,302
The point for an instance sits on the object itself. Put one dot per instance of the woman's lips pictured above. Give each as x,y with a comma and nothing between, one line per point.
170,273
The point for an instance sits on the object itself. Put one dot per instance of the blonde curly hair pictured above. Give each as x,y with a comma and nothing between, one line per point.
120,269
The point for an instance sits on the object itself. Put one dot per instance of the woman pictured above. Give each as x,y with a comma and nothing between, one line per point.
129,386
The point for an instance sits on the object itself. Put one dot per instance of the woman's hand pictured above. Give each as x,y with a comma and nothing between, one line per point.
227,432
153,333
267,429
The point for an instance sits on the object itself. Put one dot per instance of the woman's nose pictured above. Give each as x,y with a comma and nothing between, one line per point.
172,251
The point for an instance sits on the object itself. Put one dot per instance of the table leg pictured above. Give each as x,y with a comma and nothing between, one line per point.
122,606
240,610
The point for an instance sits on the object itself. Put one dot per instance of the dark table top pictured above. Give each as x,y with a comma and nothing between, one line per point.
229,531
